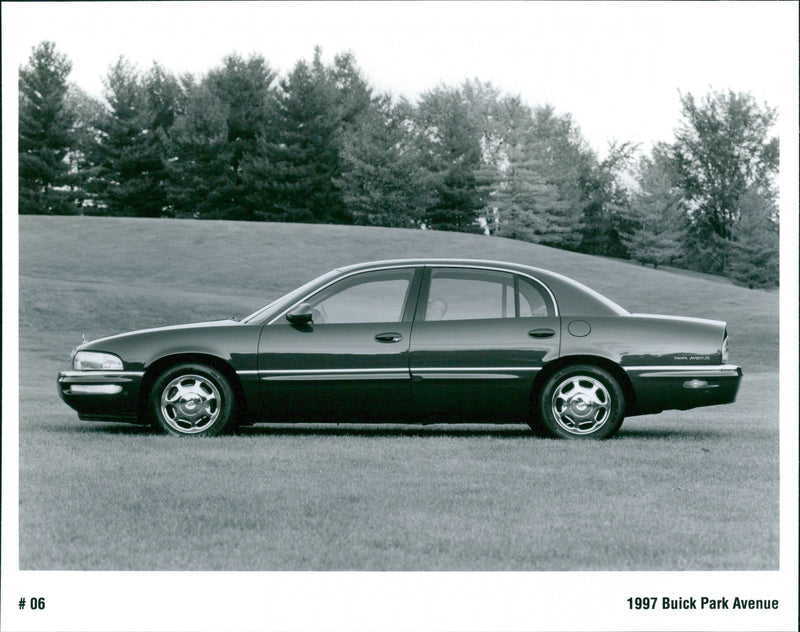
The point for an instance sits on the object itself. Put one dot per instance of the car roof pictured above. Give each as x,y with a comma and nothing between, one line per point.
433,261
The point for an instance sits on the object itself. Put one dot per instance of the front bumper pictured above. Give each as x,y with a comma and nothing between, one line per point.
102,395
660,388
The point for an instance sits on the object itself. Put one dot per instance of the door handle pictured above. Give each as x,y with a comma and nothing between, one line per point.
389,336
542,333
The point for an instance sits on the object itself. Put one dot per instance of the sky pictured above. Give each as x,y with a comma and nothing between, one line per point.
618,68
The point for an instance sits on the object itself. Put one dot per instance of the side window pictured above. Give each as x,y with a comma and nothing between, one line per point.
459,294
372,297
532,301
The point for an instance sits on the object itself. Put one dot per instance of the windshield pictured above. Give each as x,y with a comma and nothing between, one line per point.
291,297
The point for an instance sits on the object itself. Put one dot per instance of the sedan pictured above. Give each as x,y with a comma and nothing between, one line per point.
411,341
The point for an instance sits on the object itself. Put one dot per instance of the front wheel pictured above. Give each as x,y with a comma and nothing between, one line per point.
191,399
582,402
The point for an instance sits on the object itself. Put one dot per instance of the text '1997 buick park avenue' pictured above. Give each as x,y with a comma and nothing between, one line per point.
414,341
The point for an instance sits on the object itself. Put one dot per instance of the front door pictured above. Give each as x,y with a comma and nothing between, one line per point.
350,363
479,339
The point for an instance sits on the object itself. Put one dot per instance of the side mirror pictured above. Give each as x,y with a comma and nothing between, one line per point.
301,315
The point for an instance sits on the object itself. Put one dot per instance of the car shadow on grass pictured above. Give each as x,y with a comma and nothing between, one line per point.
456,430
499,431
389,430
319,430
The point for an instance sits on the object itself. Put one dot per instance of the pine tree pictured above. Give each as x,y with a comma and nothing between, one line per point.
382,181
524,198
607,202
127,165
451,150
244,90
162,100
296,169
84,111
564,161
45,136
657,215
754,252
199,176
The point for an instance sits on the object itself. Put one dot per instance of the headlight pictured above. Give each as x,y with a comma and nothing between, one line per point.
94,360
725,350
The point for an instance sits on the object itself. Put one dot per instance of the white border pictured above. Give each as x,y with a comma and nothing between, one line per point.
398,601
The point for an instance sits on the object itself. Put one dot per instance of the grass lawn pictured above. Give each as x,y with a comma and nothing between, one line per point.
693,490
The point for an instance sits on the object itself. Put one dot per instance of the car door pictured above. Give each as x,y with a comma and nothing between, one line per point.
350,362
479,338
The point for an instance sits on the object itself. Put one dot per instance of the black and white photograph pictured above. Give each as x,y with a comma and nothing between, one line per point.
410,316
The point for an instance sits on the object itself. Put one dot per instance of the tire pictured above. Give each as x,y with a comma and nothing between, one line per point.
582,402
191,400
537,427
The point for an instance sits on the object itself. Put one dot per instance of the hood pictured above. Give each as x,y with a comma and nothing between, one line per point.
226,322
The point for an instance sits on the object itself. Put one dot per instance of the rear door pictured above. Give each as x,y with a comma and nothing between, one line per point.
480,336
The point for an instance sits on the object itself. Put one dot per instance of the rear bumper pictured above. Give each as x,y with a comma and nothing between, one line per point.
102,395
660,388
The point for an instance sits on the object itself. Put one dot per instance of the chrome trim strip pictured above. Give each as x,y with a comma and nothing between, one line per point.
473,373
501,372
467,376
723,370
468,369
304,375
100,374
691,374
684,367
328,371
324,377
385,370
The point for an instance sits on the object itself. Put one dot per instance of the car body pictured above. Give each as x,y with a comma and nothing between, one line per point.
419,341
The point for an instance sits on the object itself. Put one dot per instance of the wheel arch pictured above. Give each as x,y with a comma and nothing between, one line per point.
616,371
215,362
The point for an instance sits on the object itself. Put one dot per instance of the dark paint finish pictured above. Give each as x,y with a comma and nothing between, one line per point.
419,370
339,370
471,368
644,340
661,390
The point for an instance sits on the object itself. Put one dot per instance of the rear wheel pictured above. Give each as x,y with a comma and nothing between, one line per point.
582,402
191,399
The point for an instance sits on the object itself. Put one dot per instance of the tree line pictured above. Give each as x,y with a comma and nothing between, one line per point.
320,145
